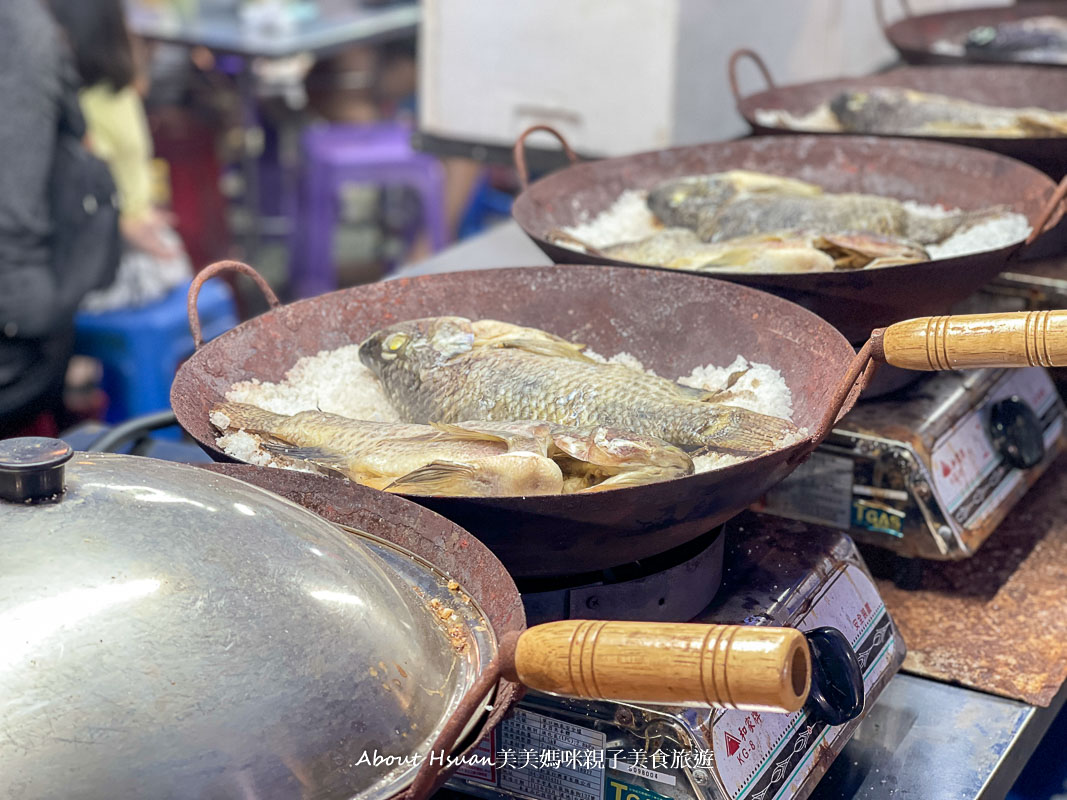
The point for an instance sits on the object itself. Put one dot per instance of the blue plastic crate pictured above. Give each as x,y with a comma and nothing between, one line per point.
141,348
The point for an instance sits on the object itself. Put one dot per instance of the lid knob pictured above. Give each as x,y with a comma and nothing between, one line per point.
31,469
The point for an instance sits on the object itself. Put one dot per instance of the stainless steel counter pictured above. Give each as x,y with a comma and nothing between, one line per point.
923,739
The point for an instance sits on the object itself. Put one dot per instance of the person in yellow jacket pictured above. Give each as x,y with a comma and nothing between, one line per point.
154,260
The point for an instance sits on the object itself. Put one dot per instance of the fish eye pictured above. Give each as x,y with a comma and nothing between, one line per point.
395,341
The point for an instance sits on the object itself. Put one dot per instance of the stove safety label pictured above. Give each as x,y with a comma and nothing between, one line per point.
545,758
764,756
819,491
969,476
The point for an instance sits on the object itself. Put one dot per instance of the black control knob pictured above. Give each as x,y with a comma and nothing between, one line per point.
1015,432
31,469
837,693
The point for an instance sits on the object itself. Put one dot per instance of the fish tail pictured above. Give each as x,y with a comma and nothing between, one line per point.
738,431
244,416
931,230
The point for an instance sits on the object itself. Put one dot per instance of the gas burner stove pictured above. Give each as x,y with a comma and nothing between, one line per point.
560,749
668,587
931,470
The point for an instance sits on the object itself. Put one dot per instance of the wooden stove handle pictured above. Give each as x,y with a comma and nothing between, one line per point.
726,666
971,341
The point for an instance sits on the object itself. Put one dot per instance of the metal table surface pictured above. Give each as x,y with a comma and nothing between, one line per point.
923,738
335,27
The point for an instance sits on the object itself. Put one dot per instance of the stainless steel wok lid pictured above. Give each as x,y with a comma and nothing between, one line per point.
169,632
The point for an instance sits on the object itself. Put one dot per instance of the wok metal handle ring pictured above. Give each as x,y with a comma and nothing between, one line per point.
1042,224
731,70
518,152
879,12
859,375
429,775
218,268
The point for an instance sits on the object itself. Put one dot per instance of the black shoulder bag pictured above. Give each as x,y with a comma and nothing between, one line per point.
86,245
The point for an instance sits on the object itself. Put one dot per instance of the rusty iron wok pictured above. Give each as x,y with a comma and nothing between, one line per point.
1006,86
854,301
915,35
672,321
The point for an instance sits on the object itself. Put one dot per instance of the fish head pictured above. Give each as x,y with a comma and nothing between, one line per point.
680,202
401,354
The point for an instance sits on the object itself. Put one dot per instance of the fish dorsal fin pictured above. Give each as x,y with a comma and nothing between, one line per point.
693,393
751,182
552,349
465,434
714,395
530,440
490,333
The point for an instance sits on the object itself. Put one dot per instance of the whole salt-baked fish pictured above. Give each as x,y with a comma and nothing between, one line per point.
449,368
890,110
787,252
470,459
728,205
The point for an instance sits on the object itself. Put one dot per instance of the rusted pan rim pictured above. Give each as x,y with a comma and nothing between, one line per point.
1007,86
444,544
853,301
914,36
671,321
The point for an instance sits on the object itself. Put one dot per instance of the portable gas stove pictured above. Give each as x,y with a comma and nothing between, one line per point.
931,470
558,749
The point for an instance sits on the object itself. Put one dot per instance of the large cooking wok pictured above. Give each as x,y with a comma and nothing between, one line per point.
1007,86
671,321
916,36
852,300
172,632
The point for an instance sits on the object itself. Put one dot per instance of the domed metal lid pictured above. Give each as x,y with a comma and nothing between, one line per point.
171,632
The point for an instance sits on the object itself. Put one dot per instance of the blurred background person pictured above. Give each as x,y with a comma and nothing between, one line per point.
40,285
153,260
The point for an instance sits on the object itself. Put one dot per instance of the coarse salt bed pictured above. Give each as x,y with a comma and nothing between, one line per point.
628,220
821,119
992,234
760,388
335,381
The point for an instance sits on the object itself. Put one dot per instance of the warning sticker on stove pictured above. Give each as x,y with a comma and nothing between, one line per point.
550,759
969,476
483,765
758,755
819,491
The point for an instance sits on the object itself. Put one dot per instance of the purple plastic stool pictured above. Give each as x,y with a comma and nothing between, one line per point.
338,154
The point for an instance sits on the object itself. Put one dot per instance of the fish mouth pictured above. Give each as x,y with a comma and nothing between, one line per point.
369,349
